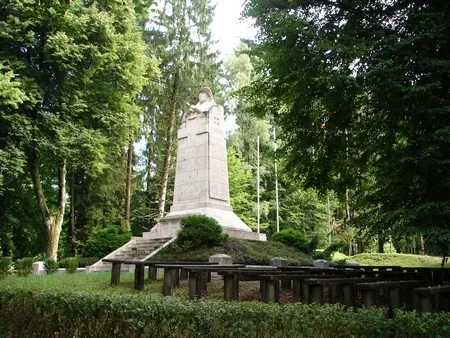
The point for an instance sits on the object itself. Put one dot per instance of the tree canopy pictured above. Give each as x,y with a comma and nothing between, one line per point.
361,90
72,72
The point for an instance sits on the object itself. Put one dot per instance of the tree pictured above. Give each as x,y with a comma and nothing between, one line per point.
361,91
80,66
180,35
242,188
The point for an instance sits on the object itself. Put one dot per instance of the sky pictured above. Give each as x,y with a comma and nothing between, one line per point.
227,27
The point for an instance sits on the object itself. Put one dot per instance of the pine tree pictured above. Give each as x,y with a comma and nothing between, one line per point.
180,35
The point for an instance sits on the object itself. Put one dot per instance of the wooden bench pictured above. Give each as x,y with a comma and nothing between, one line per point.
139,271
378,267
232,277
390,294
430,276
152,272
432,298
332,290
197,280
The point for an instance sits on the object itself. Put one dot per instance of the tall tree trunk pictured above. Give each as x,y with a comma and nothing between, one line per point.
71,230
169,146
128,186
52,221
150,196
166,165
380,244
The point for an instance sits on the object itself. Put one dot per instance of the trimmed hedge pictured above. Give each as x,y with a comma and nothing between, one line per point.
5,265
105,240
24,266
45,314
200,231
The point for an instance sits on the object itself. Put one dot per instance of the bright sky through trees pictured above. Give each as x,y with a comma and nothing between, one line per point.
227,28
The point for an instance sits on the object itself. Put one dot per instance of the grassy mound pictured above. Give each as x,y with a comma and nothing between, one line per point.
406,260
242,252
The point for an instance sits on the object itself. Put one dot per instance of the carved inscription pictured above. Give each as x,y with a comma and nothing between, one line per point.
190,192
218,183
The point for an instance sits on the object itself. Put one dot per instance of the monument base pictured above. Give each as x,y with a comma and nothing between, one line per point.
169,225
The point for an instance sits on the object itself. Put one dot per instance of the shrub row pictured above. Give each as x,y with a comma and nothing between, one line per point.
45,314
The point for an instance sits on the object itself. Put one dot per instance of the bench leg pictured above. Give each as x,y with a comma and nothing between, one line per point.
169,281
115,273
368,298
184,274
394,298
427,303
230,287
152,272
347,295
271,294
203,277
176,277
194,288
139,275
316,294
296,289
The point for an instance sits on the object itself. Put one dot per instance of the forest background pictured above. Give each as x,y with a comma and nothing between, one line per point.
356,93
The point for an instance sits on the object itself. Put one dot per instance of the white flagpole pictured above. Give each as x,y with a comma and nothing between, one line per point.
257,182
276,179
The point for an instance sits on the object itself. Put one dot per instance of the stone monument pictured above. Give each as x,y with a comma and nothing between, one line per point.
201,177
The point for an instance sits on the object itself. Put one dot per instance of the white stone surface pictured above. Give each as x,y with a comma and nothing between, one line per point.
38,268
321,263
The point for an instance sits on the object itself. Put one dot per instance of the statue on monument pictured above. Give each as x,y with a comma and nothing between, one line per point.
205,102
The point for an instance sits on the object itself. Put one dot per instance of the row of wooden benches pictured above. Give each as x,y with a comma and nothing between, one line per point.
367,286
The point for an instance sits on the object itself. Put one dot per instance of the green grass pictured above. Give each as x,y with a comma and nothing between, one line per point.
81,282
99,283
405,260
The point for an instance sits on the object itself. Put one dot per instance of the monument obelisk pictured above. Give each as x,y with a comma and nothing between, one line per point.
201,177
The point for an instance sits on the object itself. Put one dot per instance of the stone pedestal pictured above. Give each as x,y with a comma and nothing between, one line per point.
220,259
201,178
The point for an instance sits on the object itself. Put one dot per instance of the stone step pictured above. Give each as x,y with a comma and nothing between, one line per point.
138,248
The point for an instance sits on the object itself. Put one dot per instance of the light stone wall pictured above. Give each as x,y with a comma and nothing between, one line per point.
201,178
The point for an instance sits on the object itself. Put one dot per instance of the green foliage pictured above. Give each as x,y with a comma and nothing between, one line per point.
103,241
70,264
297,239
24,266
107,315
242,188
87,261
50,266
70,73
360,92
5,265
332,248
242,252
392,259
200,231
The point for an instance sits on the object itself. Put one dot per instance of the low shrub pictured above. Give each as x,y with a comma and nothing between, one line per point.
28,313
86,261
329,250
103,241
199,231
24,266
70,264
5,265
296,239
50,266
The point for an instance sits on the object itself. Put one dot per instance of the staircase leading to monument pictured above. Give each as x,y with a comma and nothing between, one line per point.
138,248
